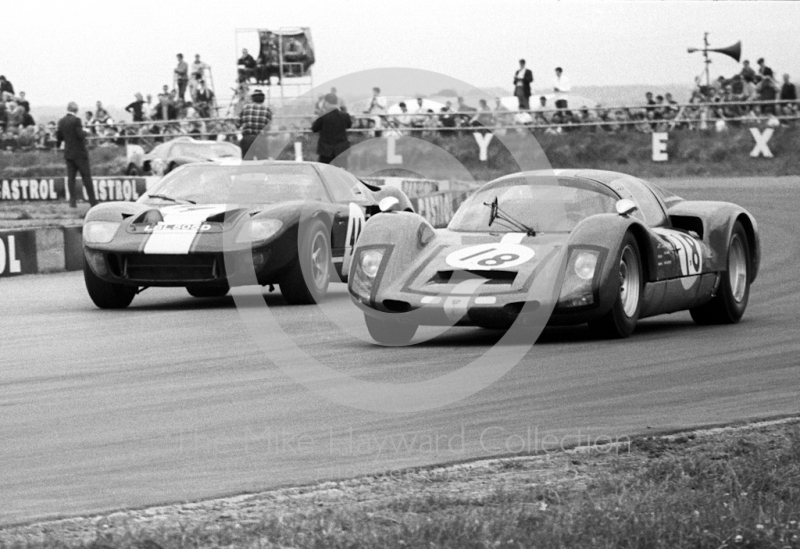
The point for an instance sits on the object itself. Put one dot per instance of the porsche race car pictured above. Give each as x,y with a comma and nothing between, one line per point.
209,226
632,250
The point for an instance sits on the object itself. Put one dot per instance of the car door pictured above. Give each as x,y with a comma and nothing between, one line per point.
350,202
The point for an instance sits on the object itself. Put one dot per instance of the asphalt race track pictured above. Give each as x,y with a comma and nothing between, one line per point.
172,400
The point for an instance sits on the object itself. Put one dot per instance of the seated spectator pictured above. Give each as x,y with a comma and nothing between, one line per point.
419,120
542,114
402,120
197,73
377,107
246,66
6,86
502,114
15,113
483,116
101,115
650,105
27,119
465,110
3,116
431,123
23,102
671,106
447,119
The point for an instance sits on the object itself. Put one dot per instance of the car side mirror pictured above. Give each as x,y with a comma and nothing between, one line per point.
625,207
388,203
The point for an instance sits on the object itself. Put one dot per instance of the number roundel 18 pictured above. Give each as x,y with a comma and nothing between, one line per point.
688,250
498,255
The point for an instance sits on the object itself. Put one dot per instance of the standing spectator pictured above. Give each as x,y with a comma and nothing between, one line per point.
5,86
23,102
763,70
788,93
332,128
15,113
89,123
246,66
204,100
465,111
135,108
767,91
198,74
3,116
483,116
377,107
70,132
523,79
182,76
253,119
165,110
747,71
562,87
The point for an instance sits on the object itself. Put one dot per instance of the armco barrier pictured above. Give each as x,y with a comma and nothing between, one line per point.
41,250
106,189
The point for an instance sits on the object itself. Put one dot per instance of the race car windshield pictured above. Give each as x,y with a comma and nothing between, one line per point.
547,207
209,184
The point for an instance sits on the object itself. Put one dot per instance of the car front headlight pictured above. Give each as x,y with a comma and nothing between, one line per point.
259,229
585,264
371,262
99,232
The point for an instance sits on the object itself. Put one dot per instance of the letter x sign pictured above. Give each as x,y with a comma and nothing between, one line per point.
761,143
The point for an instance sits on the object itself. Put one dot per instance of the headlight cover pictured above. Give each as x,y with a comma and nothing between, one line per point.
578,288
364,271
259,229
99,232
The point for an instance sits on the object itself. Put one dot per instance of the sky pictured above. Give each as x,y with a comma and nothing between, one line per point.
86,51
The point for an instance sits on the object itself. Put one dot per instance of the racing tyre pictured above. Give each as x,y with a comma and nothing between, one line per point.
620,321
106,295
727,307
208,291
307,281
389,332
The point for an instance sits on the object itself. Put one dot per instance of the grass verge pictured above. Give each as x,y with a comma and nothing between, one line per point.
722,488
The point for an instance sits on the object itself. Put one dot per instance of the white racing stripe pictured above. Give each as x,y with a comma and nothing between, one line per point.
173,238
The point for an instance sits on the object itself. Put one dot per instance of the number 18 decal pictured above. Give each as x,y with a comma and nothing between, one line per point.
498,255
687,249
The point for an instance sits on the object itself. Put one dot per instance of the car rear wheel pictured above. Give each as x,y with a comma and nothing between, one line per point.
728,306
390,332
307,281
207,291
106,295
621,320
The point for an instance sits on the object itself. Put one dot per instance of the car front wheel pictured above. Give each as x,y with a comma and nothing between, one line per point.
106,295
307,281
621,320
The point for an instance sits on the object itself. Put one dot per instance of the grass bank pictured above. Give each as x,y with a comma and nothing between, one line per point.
691,153
727,488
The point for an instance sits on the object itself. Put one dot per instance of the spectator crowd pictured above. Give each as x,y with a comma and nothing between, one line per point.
754,95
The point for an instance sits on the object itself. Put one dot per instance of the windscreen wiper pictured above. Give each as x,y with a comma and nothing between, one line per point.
497,214
165,197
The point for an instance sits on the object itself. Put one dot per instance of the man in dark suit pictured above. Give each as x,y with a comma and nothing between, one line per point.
523,79
332,128
70,132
